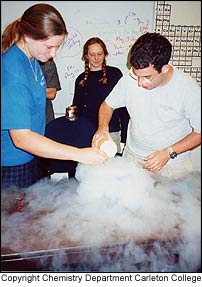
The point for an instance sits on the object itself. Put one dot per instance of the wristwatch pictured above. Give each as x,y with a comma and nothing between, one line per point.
172,153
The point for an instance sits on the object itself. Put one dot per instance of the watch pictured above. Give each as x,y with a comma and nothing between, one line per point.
172,153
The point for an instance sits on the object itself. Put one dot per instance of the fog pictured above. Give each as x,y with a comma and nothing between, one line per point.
148,223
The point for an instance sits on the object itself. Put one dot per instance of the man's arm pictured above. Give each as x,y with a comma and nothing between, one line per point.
52,79
104,117
189,142
51,93
156,160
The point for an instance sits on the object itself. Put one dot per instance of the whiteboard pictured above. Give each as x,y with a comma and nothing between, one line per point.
117,23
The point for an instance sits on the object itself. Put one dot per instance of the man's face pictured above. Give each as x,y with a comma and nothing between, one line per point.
148,78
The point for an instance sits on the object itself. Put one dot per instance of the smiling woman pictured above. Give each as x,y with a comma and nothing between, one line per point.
93,86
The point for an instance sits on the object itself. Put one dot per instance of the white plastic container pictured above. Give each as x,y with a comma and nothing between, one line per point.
108,146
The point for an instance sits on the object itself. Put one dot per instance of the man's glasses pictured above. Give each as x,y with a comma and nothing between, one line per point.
146,79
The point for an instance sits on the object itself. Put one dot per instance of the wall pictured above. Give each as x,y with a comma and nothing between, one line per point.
180,22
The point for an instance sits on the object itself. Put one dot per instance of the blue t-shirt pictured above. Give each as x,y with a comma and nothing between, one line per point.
23,102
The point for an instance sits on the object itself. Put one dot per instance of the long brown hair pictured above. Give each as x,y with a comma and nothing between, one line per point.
94,40
40,21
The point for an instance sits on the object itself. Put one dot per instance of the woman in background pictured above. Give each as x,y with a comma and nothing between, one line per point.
36,36
95,84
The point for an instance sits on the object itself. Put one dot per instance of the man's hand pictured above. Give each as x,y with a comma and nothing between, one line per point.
157,160
100,134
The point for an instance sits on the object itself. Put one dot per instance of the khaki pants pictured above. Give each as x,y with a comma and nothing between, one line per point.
117,139
174,170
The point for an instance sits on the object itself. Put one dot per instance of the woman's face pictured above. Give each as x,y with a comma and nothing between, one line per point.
44,50
95,56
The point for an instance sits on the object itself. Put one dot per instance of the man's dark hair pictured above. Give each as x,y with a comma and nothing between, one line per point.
150,49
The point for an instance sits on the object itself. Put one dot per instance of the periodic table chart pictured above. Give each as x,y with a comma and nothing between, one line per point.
184,33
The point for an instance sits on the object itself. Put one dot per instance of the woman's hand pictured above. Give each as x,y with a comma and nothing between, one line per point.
91,156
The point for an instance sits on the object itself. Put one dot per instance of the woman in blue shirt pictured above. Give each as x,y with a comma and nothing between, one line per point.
36,36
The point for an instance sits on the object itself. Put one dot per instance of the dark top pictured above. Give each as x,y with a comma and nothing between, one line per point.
78,133
89,98
52,81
